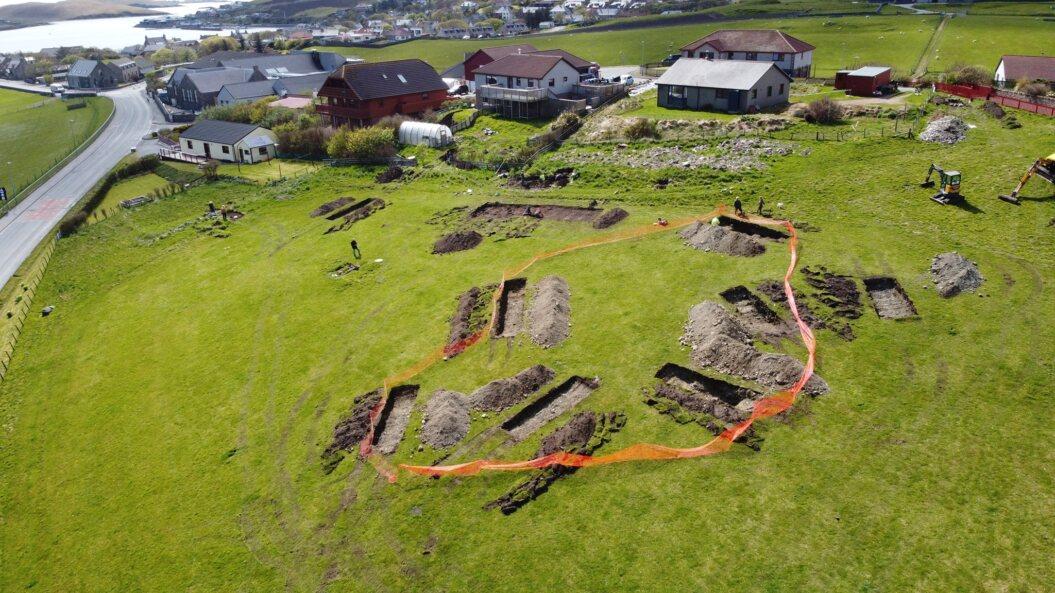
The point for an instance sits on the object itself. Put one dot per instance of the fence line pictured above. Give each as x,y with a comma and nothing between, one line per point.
1005,98
29,291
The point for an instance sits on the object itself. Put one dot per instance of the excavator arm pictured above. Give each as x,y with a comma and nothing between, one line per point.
1013,196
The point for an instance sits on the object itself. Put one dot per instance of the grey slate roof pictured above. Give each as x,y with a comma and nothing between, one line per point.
211,80
390,79
82,68
719,74
303,85
251,90
220,132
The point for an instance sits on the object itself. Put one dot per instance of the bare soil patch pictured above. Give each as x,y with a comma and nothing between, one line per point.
343,269
610,218
329,207
888,298
555,402
720,342
458,241
584,434
550,314
352,429
504,393
500,210
955,274
510,315
390,174
730,236
835,302
354,213
994,109
836,291
688,396
446,419
392,423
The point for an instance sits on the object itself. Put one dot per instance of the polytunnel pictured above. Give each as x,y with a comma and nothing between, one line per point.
419,132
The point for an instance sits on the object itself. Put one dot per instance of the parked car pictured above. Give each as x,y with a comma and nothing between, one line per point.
669,60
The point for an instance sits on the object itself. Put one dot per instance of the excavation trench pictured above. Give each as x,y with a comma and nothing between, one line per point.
354,213
330,206
888,298
510,314
555,402
392,423
712,403
757,316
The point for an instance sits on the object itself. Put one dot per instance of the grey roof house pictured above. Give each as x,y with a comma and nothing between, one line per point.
723,85
194,90
242,92
100,74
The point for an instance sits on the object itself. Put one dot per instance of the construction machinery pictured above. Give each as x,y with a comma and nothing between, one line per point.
949,188
1044,168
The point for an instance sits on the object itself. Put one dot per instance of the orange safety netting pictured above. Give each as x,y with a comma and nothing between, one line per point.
764,408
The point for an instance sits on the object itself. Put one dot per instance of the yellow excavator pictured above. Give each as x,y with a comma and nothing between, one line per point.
949,185
1043,168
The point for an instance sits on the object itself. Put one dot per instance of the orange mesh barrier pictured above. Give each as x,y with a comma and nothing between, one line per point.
764,408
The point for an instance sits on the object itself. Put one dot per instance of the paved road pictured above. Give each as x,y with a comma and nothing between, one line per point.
28,223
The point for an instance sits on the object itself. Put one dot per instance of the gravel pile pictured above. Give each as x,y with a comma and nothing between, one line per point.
446,419
550,312
945,130
954,274
721,239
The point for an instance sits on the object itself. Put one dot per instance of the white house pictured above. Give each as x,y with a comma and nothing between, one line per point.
792,55
1011,69
229,141
524,85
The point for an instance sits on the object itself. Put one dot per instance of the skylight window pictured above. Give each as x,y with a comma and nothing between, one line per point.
401,79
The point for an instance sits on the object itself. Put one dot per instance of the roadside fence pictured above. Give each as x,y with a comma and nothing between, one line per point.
17,317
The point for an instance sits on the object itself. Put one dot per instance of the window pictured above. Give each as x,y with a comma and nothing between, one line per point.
262,150
781,91
728,55
225,149
190,144
676,92
754,93
769,91
565,79
752,55
518,82
424,95
401,78
778,57
707,54
553,82
721,93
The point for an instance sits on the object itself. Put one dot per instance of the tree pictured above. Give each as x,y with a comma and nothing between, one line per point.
163,56
258,43
964,74
185,54
209,168
216,43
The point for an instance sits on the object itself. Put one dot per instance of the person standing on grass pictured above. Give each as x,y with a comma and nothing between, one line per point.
738,207
355,249
761,204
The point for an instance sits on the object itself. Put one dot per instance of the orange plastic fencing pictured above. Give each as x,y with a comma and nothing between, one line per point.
764,408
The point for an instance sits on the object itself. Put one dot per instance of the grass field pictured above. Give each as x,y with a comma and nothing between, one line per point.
841,42
646,107
131,188
1045,8
163,428
981,40
36,133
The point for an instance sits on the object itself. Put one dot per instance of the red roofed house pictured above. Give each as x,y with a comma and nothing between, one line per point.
792,55
361,94
1011,69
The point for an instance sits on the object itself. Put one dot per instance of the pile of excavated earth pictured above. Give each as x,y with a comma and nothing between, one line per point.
954,274
614,128
730,236
945,130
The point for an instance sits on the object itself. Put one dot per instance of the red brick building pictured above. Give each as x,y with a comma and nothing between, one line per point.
361,94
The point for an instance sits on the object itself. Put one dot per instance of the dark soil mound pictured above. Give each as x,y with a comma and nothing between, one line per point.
329,207
446,419
584,434
810,307
838,292
994,109
503,393
390,174
888,298
460,241
610,218
559,178
688,396
351,430
469,317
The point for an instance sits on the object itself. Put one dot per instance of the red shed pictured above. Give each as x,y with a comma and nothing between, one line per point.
361,94
863,82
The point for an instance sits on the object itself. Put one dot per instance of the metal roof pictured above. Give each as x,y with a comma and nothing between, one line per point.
739,75
870,71
220,132
82,68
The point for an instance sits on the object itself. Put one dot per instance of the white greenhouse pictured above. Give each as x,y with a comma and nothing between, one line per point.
419,132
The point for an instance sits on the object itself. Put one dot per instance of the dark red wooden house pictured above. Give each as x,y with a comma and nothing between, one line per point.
361,94
863,82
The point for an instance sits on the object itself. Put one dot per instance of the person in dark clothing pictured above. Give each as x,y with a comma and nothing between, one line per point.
738,207
212,207
355,249
761,204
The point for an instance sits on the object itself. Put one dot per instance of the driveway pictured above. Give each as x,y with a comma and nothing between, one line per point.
28,223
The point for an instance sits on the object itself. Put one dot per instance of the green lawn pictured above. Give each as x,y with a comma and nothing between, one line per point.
163,427
981,40
1045,8
647,107
841,42
131,188
37,132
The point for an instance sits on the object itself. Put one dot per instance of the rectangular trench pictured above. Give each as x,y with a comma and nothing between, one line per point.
392,423
555,402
